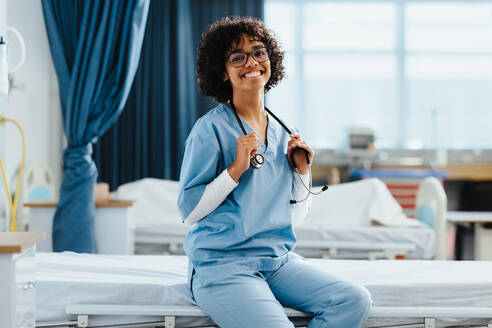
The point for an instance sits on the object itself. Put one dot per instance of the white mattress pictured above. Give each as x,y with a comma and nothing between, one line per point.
70,278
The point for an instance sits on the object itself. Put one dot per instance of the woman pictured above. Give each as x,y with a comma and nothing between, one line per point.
242,270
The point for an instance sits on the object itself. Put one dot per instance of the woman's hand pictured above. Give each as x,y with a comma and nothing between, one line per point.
299,156
247,146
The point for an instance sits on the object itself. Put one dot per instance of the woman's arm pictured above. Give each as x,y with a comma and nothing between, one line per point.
201,163
215,193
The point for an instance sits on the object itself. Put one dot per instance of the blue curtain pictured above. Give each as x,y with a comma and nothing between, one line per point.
95,47
161,106
148,139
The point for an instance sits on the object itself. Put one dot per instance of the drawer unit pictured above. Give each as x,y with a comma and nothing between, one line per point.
17,278
25,292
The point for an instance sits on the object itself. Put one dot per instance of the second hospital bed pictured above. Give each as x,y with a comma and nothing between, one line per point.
91,290
351,220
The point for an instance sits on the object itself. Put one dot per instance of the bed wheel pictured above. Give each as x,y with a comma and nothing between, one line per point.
429,323
169,322
82,320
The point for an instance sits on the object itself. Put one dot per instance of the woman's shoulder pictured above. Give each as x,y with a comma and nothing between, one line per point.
215,115
207,124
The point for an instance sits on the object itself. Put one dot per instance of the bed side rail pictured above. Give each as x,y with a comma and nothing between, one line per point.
429,314
371,251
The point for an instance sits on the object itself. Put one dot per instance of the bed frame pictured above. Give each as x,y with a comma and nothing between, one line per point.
168,314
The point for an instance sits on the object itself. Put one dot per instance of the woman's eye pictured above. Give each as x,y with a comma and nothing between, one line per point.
236,58
260,53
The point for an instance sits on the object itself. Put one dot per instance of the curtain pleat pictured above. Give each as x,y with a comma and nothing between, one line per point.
95,47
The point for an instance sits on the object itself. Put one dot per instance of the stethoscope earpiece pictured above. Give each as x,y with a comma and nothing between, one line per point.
309,188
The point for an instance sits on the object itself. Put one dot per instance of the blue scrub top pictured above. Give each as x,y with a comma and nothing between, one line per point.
252,229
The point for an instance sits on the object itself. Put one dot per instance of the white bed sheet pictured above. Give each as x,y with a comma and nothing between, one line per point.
69,278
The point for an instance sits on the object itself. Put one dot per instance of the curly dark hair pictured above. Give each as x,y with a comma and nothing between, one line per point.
215,45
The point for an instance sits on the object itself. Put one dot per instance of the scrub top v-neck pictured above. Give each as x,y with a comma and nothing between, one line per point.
262,142
252,229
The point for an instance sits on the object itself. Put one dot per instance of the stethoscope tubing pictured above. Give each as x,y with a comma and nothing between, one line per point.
258,162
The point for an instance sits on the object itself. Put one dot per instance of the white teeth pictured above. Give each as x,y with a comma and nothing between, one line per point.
252,74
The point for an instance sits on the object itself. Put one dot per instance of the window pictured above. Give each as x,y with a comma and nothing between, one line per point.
416,72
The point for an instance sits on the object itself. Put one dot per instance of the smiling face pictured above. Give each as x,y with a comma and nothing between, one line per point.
251,77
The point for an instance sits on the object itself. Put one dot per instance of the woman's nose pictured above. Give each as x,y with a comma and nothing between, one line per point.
250,61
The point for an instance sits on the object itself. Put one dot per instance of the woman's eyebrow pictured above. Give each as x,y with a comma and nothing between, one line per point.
255,41
258,46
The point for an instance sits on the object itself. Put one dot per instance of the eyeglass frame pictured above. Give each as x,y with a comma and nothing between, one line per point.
247,56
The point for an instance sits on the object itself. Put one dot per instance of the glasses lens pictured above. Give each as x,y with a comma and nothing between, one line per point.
260,55
237,59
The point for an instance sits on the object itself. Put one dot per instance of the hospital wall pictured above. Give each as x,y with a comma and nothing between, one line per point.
3,201
33,100
3,25
3,14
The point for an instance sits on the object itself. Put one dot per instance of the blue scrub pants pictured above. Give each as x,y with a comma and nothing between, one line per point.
255,299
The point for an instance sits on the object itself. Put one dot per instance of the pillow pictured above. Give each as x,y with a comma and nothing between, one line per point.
358,203
155,200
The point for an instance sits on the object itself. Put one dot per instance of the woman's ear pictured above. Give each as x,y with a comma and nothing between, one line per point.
226,77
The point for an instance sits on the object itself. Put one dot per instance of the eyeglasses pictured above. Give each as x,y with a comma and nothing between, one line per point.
239,59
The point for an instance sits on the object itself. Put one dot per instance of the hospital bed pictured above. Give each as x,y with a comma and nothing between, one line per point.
341,223
91,290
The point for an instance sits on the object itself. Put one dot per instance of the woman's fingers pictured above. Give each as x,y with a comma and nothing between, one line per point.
246,147
250,143
249,137
301,144
298,143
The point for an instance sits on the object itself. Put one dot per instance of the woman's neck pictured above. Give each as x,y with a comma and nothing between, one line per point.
250,106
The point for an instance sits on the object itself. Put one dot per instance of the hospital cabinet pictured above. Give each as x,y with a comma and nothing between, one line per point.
113,229
17,278
481,223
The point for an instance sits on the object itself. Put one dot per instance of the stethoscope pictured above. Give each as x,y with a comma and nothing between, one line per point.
257,160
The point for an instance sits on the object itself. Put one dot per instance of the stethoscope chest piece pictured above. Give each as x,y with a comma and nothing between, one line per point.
257,160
